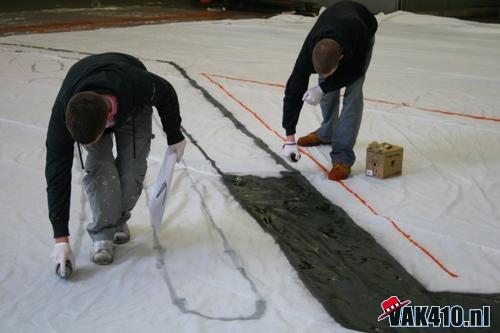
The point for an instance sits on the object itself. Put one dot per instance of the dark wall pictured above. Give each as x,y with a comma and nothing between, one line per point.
388,6
375,6
417,5
19,5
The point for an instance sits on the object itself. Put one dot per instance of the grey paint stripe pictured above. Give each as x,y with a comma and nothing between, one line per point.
180,302
239,126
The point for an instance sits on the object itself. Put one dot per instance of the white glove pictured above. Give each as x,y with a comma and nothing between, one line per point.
179,149
290,151
62,256
313,96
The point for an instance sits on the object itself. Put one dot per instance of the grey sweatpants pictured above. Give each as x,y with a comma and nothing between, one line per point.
113,185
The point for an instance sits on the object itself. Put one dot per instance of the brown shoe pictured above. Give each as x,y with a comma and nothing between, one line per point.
311,140
339,171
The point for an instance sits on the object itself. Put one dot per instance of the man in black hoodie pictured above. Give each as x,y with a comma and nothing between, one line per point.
105,95
338,49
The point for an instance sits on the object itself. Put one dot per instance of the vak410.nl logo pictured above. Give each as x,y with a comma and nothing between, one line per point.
402,314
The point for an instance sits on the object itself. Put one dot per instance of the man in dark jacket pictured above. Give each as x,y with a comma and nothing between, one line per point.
338,49
105,95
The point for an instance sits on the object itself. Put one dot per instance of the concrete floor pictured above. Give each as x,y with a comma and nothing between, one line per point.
55,20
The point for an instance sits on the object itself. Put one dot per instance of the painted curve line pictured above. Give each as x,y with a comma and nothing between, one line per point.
180,302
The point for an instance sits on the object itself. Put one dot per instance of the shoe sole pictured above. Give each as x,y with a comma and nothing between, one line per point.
336,179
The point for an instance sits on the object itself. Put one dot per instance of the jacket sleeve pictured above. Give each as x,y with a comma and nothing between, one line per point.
58,166
296,86
156,91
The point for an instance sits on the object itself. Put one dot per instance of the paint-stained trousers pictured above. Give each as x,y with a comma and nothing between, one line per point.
113,185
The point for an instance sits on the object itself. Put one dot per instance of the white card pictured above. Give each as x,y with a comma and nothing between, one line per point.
159,191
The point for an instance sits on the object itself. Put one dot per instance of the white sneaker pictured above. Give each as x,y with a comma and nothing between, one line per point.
122,234
102,252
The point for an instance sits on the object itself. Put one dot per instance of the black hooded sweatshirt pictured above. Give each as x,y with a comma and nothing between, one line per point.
116,74
353,27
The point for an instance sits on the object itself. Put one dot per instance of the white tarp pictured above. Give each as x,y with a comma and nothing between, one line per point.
440,219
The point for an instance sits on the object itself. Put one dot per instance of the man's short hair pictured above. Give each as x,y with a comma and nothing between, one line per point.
326,55
86,116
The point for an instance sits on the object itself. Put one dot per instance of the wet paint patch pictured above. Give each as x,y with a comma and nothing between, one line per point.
341,264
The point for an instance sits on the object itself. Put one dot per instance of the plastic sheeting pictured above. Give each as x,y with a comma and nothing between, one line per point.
432,88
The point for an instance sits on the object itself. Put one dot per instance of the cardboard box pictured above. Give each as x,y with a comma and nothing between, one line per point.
383,160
